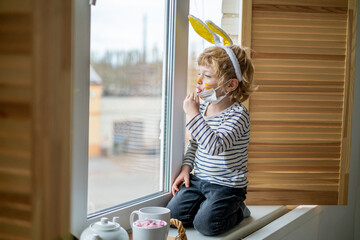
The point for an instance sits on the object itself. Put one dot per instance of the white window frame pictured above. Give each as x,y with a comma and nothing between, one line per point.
175,70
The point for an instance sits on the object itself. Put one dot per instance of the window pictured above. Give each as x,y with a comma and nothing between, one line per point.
134,102
126,147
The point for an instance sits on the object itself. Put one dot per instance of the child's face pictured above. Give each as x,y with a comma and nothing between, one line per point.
206,79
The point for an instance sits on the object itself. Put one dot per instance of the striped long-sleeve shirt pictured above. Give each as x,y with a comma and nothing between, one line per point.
217,149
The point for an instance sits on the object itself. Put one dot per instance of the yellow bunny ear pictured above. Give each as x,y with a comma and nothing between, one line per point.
226,39
203,30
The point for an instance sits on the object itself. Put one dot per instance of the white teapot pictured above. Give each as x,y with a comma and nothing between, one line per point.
105,230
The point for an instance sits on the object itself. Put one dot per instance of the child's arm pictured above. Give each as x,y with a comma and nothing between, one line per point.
188,164
191,107
184,176
189,157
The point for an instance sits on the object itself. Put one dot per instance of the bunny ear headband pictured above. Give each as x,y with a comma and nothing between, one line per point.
210,32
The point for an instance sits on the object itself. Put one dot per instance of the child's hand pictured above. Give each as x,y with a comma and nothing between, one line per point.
184,176
191,105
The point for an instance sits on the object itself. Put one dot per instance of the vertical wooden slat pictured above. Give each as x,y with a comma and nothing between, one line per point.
52,94
246,24
348,102
246,31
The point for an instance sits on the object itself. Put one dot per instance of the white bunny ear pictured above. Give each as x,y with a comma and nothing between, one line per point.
216,29
203,30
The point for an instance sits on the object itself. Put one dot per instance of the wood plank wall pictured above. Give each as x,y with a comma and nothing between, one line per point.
297,113
15,119
35,95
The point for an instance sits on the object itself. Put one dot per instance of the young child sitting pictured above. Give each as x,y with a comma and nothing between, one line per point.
210,189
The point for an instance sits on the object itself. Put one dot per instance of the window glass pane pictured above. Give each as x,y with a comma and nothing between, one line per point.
126,95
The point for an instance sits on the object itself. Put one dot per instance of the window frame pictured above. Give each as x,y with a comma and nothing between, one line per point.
174,70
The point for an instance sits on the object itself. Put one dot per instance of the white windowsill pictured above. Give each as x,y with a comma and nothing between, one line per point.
289,222
260,217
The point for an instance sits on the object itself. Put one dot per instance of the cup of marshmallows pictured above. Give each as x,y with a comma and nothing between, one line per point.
149,229
152,224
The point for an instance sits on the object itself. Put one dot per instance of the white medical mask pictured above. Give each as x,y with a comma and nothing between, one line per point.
210,95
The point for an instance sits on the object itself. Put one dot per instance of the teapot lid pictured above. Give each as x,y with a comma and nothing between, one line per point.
105,225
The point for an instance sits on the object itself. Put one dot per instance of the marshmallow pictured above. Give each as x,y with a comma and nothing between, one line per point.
149,223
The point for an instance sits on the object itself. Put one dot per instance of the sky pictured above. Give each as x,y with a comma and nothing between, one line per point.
118,24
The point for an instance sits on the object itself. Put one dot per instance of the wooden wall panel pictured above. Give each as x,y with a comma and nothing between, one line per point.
35,96
297,114
51,109
15,119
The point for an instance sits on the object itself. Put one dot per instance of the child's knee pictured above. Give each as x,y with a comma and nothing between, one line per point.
207,224
180,212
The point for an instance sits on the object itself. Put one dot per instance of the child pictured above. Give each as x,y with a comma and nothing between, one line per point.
214,167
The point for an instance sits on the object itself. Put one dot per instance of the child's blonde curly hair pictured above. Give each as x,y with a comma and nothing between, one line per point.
217,58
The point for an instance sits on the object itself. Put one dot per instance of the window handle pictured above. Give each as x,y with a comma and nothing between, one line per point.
92,2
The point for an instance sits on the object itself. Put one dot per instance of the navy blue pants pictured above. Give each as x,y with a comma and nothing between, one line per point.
211,209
